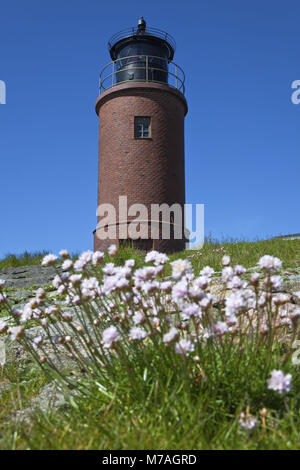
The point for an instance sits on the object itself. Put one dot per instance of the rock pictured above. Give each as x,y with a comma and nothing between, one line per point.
27,276
50,398
292,283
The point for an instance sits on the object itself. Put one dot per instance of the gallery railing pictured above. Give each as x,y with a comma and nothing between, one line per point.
142,68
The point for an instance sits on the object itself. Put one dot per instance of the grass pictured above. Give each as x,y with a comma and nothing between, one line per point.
246,253
23,259
167,417
163,413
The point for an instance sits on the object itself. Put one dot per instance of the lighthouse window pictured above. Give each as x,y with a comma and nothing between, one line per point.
142,127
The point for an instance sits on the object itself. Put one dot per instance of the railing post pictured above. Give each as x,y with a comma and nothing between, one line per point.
176,73
113,74
147,68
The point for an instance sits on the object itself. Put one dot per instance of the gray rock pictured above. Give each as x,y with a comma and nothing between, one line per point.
50,398
292,283
27,276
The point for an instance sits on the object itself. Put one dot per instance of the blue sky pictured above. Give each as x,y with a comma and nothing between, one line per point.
242,139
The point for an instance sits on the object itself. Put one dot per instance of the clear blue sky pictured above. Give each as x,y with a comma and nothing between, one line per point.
242,140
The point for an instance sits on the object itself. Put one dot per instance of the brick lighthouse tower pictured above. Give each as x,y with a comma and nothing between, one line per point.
141,109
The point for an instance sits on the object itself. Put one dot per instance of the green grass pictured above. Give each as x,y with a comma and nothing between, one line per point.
242,252
160,416
246,253
23,259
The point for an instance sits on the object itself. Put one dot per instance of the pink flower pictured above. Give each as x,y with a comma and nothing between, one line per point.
279,382
180,267
110,335
156,258
112,250
247,421
270,263
220,328
226,260
49,260
184,347
137,333
171,335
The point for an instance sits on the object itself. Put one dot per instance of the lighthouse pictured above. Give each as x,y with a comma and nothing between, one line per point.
141,109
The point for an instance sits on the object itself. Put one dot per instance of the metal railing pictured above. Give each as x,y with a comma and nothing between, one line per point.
135,31
142,68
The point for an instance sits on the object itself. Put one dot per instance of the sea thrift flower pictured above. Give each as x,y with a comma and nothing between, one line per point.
3,327
64,254
226,260
180,291
149,286
90,288
220,328
2,283
156,258
184,347
276,282
27,313
144,274
49,260
129,263
137,333
201,282
227,273
2,298
57,281
247,421
68,264
207,271
235,303
171,335
85,258
109,269
279,382
281,299
36,343
270,263
112,250
262,300
110,335
190,310
206,301
139,318
239,270
235,283
97,257
254,279
75,279
61,289
231,320
16,332
180,267
166,286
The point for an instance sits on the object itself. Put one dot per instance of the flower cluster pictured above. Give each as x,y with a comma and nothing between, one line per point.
113,313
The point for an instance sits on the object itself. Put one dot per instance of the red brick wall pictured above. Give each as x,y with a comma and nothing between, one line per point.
148,171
